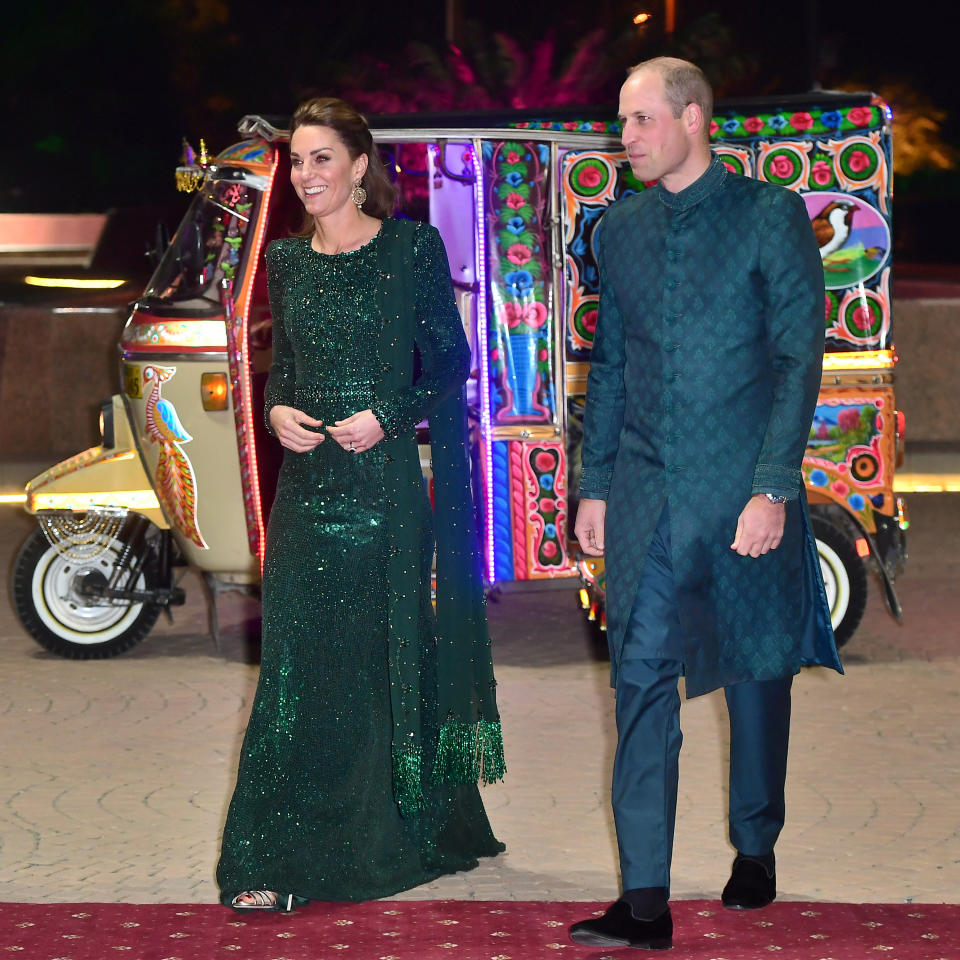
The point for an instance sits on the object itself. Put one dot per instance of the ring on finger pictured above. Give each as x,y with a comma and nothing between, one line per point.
352,448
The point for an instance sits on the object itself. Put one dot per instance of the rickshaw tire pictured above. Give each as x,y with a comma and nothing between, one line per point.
845,553
32,553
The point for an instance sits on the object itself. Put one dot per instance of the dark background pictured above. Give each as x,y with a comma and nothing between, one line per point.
97,96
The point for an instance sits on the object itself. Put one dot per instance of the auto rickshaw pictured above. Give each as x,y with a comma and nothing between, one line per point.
185,471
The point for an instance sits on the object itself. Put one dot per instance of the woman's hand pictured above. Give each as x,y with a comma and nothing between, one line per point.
289,425
357,433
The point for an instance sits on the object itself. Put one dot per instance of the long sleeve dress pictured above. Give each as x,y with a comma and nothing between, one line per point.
314,812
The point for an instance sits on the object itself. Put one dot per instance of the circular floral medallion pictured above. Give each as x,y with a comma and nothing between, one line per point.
589,177
585,319
830,305
731,161
782,166
859,161
863,317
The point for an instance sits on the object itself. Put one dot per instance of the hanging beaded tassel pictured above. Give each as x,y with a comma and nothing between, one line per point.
469,752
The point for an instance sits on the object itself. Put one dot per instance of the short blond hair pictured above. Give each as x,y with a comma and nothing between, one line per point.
683,83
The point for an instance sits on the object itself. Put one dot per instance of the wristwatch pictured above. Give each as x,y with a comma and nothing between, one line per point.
775,498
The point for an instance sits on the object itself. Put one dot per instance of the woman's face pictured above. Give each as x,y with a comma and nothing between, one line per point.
321,170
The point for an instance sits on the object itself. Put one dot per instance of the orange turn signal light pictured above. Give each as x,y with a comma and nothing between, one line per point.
213,391
863,548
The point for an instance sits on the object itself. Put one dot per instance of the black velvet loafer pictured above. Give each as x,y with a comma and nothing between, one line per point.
750,887
618,927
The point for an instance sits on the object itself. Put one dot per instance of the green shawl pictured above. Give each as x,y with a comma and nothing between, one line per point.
470,746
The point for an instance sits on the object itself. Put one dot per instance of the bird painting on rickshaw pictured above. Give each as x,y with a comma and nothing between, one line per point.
854,238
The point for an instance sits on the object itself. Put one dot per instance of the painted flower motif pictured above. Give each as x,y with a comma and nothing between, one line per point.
818,478
590,177
546,481
731,125
753,124
839,488
862,318
777,122
545,461
515,201
548,505
542,354
714,127
549,550
519,254
858,161
570,125
519,283
513,157
549,530
516,225
533,314
494,354
589,321
856,501
822,174
585,127
598,126
860,116
781,166
730,166
801,121
827,306
831,119
514,178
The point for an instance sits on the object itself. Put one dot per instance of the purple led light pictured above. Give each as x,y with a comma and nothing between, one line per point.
485,437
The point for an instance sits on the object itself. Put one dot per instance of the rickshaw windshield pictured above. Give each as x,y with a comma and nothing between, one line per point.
211,241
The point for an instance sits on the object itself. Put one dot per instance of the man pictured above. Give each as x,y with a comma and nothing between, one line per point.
703,383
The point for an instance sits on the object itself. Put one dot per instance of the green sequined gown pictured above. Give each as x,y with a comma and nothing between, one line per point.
313,812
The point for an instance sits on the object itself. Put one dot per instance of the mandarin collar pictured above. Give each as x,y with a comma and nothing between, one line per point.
701,188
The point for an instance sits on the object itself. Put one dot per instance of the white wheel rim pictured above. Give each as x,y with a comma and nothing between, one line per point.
68,614
836,582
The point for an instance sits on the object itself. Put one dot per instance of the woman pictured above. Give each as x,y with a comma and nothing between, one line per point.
373,719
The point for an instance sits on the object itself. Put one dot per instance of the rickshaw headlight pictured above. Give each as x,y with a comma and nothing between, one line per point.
213,391
106,424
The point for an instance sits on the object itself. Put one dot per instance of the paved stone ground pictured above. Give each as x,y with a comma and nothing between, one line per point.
114,775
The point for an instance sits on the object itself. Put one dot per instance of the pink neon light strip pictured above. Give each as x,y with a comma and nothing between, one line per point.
245,369
485,434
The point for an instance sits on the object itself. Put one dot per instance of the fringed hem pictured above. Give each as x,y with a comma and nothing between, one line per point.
466,753
407,780
469,752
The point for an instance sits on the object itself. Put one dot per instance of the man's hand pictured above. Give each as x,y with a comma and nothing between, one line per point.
589,526
759,527
289,425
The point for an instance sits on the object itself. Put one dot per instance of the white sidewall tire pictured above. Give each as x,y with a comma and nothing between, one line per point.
836,582
64,613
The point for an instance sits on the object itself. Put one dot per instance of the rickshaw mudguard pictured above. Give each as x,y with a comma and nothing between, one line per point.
101,476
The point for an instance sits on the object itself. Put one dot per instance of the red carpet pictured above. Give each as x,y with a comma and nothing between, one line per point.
465,930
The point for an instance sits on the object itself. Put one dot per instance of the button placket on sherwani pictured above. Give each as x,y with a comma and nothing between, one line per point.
669,358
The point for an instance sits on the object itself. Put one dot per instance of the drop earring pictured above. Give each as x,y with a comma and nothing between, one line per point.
359,195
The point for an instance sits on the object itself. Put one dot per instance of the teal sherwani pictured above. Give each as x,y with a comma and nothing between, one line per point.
703,382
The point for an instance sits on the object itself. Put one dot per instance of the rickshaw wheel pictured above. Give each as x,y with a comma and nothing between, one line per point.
844,578
51,594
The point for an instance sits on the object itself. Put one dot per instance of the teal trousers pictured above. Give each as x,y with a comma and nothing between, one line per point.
645,771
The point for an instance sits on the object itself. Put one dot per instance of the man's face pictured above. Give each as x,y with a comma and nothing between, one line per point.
657,143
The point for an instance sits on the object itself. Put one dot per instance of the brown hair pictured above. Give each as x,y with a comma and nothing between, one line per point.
683,83
353,131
